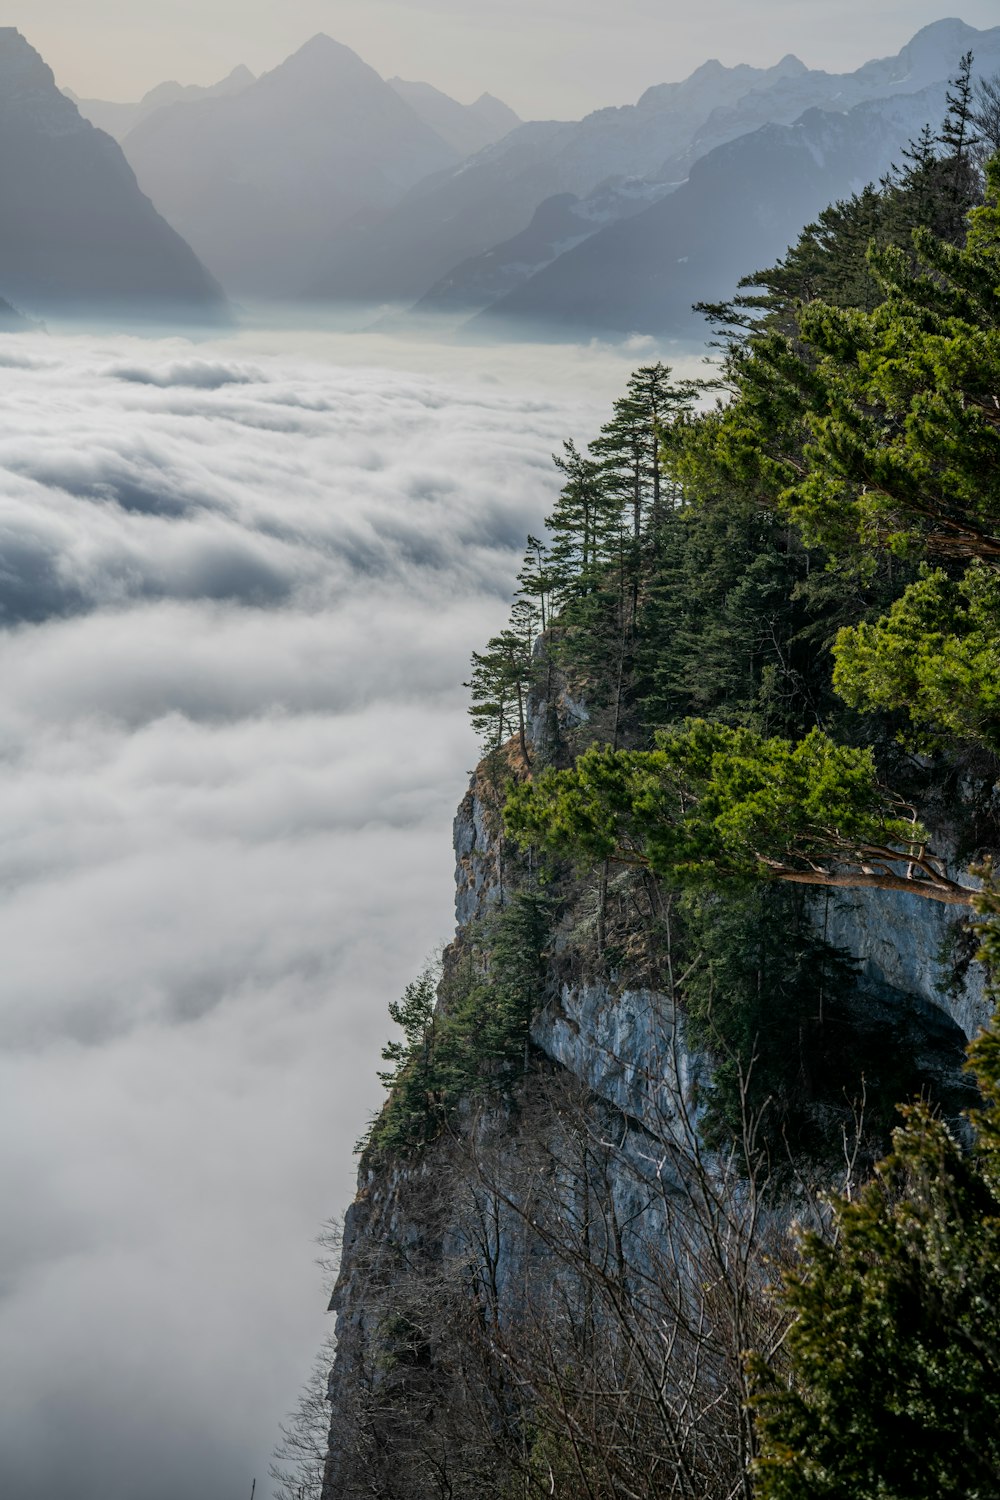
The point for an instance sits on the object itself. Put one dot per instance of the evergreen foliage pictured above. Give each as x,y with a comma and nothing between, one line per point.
777,1006
748,573
712,804
892,1381
501,680
883,431
935,656
466,1031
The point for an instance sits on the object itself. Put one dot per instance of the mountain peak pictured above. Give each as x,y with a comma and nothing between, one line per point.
321,60
710,68
946,26
29,96
499,114
941,38
932,55
19,62
790,66
323,46
76,232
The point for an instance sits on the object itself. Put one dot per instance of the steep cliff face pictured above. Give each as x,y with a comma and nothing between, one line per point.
447,1250
457,1253
478,852
913,948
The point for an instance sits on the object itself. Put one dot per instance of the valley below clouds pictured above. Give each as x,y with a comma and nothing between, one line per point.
239,587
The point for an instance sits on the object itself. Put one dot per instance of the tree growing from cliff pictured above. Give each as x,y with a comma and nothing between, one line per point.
501,680
583,525
300,1454
712,805
629,446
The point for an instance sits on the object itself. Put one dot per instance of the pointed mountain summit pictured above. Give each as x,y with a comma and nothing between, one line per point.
321,60
260,181
500,115
76,233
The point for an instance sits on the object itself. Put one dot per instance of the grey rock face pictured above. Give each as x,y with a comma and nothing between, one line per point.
494,1206
627,1046
908,945
478,853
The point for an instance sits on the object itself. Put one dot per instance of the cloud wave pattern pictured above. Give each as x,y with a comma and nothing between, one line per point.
238,592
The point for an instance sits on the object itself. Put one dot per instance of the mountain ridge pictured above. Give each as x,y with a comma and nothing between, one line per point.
681,250
117,119
77,234
430,249
261,180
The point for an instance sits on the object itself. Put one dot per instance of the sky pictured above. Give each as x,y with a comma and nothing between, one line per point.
544,57
240,590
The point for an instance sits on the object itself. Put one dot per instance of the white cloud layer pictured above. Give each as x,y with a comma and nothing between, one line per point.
238,592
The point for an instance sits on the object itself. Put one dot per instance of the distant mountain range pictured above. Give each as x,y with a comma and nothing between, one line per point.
463,214
467,128
741,207
76,234
119,119
262,181
747,158
322,181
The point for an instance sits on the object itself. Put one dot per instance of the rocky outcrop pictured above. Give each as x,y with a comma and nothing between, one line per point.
913,948
629,1048
464,1261
478,851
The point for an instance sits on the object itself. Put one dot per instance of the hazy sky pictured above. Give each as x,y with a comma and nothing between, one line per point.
545,57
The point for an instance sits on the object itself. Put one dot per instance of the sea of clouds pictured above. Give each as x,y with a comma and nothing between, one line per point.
239,586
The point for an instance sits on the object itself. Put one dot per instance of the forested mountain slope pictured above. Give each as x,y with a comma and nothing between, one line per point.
716,875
